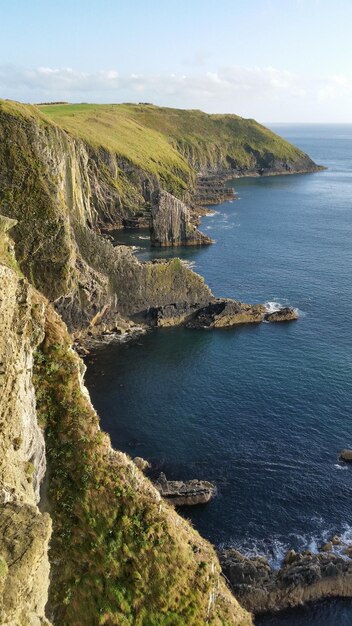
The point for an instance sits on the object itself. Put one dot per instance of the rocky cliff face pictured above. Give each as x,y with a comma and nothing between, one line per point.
118,553
171,223
24,530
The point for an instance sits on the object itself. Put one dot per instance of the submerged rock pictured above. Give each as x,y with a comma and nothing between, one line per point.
303,577
346,455
189,492
171,223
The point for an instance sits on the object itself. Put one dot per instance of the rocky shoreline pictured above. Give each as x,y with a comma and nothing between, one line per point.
303,577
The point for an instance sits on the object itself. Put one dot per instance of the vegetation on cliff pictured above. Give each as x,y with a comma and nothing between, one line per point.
175,144
119,554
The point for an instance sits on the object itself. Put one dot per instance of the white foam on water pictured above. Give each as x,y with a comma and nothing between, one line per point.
340,467
140,237
274,549
272,306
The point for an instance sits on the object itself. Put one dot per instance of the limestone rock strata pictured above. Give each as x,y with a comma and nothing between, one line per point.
185,493
302,578
171,223
24,531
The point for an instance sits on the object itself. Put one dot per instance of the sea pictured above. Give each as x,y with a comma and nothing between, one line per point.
261,410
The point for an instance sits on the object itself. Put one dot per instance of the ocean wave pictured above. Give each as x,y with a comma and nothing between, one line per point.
141,237
276,548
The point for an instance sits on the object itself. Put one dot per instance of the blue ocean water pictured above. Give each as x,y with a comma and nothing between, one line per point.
261,410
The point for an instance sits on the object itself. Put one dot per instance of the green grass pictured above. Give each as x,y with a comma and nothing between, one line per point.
157,137
113,128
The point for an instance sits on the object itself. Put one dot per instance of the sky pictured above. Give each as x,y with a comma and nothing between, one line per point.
274,60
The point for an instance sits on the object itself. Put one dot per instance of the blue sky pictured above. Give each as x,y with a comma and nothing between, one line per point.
269,59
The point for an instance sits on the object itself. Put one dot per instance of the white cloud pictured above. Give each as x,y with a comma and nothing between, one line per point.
335,86
47,80
267,93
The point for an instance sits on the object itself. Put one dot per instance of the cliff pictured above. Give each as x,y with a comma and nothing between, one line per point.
60,189
24,530
118,553
68,171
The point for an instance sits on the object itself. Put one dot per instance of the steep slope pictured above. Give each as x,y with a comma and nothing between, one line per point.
119,555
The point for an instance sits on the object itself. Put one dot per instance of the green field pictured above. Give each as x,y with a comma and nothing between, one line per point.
158,139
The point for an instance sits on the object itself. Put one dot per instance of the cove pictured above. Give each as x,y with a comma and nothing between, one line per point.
261,410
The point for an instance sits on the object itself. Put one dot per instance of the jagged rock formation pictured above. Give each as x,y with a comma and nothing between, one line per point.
118,554
171,223
302,578
185,493
24,531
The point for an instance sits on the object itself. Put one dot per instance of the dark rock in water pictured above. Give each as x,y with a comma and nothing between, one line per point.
303,577
217,313
286,314
189,492
171,223
224,312
346,455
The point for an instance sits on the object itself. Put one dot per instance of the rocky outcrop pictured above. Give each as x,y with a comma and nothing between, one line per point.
302,578
185,493
222,313
171,223
217,313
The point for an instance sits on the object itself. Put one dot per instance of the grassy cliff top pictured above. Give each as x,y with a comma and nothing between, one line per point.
151,136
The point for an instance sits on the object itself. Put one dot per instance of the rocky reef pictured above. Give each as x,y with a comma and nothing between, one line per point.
171,223
216,313
303,577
